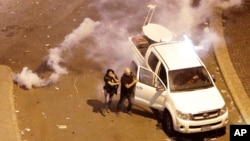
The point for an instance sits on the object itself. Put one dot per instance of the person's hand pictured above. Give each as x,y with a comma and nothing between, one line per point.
195,77
135,80
118,82
112,75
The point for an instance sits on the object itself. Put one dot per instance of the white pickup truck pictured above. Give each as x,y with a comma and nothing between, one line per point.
173,80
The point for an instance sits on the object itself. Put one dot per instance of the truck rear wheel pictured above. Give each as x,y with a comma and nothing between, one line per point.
168,124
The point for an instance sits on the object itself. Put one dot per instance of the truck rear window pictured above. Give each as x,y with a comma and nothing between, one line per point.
152,61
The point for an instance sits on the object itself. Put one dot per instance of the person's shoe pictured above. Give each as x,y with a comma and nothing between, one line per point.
102,111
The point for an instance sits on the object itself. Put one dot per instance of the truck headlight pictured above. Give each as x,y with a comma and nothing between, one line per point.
184,116
223,110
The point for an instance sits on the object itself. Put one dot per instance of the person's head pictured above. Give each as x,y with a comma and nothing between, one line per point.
127,71
110,72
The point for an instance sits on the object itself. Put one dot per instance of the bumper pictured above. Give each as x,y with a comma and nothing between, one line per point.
188,126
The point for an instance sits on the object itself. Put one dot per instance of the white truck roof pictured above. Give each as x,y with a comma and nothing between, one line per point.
178,55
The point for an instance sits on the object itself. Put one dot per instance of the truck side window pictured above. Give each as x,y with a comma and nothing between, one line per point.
152,61
162,74
149,78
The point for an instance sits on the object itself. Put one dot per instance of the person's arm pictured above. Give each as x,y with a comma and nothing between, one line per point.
113,83
116,79
131,84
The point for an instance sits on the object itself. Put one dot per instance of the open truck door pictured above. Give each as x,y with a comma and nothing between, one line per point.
150,90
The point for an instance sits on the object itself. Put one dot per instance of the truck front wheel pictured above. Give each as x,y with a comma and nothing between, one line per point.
168,123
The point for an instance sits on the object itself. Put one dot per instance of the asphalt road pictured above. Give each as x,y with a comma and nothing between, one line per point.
68,109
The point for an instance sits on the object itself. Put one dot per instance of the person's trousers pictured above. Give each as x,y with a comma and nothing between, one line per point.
123,97
107,100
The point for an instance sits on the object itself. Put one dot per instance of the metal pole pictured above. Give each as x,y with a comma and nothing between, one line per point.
151,9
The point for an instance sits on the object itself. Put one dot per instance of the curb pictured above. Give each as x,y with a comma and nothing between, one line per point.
229,73
8,119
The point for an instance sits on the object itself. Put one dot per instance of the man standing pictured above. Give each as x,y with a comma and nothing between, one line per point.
128,82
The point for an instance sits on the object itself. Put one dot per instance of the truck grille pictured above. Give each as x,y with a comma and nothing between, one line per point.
206,115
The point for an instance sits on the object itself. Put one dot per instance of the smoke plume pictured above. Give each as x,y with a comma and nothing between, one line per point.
28,79
120,20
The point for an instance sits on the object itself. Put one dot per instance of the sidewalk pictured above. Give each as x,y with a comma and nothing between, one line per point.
9,126
232,80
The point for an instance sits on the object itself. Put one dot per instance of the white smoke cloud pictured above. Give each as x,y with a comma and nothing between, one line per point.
119,20
183,16
84,30
111,47
28,79
188,17
111,44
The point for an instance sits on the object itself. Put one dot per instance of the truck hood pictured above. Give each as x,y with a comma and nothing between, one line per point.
198,100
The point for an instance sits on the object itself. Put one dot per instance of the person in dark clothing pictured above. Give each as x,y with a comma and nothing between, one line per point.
128,82
110,88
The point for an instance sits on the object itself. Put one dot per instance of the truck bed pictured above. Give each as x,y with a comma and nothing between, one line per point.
141,43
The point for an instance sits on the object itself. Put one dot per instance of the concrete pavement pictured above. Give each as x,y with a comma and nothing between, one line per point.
228,71
8,121
9,127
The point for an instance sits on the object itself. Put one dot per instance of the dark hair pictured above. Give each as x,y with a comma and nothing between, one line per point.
110,70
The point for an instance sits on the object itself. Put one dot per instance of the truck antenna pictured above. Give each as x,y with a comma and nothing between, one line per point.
151,9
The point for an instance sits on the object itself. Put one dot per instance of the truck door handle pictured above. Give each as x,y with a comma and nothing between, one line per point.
139,87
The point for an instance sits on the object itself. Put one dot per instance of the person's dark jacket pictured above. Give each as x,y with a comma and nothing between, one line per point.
127,79
110,89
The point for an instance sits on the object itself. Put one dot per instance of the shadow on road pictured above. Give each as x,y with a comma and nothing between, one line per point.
137,110
95,104
141,111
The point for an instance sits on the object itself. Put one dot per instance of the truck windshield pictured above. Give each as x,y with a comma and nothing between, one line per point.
189,79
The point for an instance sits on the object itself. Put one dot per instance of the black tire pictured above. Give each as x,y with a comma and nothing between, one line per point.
168,124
